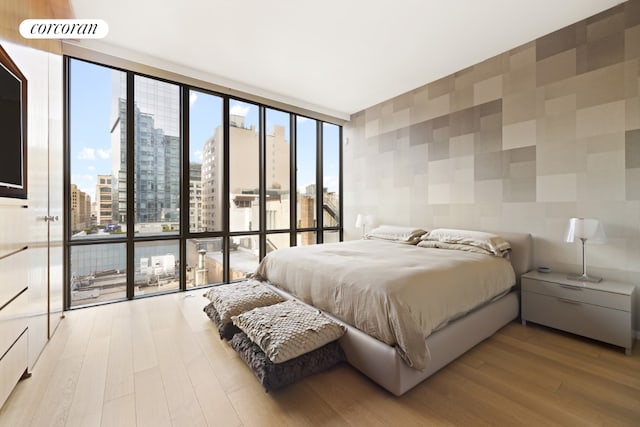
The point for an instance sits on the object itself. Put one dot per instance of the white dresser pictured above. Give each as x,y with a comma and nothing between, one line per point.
14,297
602,311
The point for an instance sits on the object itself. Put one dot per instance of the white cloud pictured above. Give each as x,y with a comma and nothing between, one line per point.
104,154
239,110
193,98
330,182
76,179
301,119
87,154
91,168
198,154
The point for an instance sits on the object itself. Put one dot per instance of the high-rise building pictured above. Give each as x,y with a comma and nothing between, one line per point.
104,200
244,177
156,153
211,181
195,197
80,209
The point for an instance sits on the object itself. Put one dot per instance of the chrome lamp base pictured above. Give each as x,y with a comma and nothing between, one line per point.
584,278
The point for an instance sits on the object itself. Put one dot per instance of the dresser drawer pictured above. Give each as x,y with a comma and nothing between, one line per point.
12,366
593,321
578,293
13,275
13,321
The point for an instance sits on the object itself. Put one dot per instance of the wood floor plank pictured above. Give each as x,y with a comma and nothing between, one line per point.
88,399
214,402
532,398
119,412
152,408
56,401
144,351
181,398
119,379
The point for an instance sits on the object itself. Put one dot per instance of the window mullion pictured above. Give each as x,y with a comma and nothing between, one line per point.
130,167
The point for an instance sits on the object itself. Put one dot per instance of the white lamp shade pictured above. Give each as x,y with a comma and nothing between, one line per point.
585,228
363,219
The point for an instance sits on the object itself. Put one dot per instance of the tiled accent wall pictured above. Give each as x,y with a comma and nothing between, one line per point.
522,141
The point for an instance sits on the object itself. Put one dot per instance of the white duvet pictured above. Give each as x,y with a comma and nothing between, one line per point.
396,293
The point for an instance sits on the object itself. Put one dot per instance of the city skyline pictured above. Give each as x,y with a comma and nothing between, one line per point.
91,103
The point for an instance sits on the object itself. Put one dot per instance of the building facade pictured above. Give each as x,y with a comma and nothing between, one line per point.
104,200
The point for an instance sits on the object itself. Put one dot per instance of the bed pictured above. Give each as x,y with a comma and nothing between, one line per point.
404,343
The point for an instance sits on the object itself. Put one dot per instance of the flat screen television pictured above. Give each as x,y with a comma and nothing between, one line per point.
13,129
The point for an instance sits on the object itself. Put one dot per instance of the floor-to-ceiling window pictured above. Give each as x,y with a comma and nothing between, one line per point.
172,187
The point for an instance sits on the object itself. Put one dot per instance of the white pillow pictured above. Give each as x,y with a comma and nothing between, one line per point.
492,243
395,233
288,329
235,298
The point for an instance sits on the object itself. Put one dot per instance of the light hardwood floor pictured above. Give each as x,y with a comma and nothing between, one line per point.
159,362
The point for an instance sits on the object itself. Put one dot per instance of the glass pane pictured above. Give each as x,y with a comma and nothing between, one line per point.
156,267
204,261
331,236
244,171
306,238
98,273
277,170
243,256
330,175
97,144
157,157
205,162
306,172
277,241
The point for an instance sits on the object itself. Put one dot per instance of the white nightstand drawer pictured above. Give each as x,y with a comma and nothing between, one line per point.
593,321
578,293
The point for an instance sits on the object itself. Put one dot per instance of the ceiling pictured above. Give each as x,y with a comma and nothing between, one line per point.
335,57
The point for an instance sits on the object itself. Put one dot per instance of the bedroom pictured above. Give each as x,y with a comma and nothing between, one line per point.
525,185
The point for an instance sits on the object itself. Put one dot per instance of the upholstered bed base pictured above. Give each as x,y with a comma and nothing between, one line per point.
382,364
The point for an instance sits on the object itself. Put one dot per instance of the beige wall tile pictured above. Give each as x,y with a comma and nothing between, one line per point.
601,86
608,161
439,193
461,145
522,56
600,119
516,135
560,105
632,184
632,110
519,107
519,80
487,90
557,188
488,190
632,43
557,67
602,186
440,172
372,128
558,128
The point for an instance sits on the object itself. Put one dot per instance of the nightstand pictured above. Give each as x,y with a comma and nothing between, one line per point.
602,311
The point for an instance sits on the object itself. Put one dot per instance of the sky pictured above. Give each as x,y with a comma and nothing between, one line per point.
90,123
